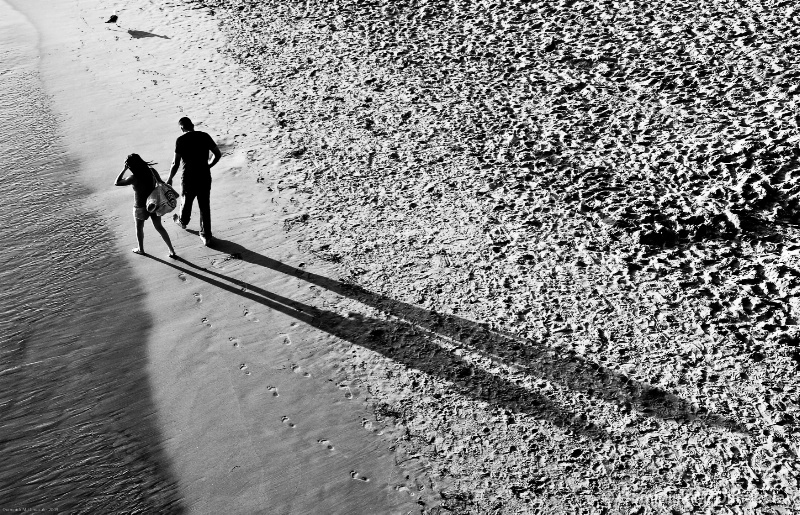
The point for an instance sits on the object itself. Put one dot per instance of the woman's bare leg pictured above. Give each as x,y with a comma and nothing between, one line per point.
163,232
139,236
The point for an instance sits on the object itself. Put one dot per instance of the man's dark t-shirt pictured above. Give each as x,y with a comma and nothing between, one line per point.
193,147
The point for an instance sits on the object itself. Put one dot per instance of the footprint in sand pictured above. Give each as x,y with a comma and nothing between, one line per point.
198,297
404,489
274,391
286,421
298,370
206,322
243,367
233,341
357,476
246,314
326,443
349,393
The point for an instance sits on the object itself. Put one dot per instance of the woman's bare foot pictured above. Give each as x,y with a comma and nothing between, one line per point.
138,251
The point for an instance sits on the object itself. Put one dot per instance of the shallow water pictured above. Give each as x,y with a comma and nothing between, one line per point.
77,423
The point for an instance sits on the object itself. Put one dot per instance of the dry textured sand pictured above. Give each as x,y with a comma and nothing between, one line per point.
574,226
498,257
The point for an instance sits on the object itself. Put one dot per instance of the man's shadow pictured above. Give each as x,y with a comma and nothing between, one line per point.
412,336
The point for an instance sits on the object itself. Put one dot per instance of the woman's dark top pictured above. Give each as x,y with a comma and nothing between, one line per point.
143,188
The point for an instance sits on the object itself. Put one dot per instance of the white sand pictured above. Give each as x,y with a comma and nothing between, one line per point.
218,354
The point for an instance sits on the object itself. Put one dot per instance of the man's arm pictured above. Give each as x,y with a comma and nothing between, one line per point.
176,163
119,181
217,155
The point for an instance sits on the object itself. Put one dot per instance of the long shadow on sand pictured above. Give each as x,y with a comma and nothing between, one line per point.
413,336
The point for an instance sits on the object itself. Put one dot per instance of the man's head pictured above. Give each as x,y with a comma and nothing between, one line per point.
186,124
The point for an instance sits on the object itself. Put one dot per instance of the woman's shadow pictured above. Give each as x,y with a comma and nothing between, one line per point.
414,337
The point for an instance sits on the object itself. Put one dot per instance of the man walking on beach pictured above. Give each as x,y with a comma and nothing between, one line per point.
191,149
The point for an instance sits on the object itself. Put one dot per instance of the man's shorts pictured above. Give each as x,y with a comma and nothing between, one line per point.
141,213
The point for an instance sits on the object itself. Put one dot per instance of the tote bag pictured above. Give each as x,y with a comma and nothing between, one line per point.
162,200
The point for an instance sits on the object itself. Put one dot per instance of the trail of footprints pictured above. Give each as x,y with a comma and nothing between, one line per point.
286,339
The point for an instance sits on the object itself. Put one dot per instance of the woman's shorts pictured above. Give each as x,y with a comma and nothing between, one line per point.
141,213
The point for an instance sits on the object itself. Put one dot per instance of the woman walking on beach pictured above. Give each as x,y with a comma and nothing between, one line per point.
143,179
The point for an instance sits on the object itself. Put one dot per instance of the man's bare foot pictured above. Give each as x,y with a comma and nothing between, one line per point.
177,220
138,251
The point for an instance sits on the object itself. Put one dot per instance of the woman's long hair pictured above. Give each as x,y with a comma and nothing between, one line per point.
140,168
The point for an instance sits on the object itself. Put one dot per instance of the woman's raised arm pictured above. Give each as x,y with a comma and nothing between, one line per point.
123,182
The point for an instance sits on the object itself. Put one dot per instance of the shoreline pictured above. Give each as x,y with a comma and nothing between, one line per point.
73,355
247,399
